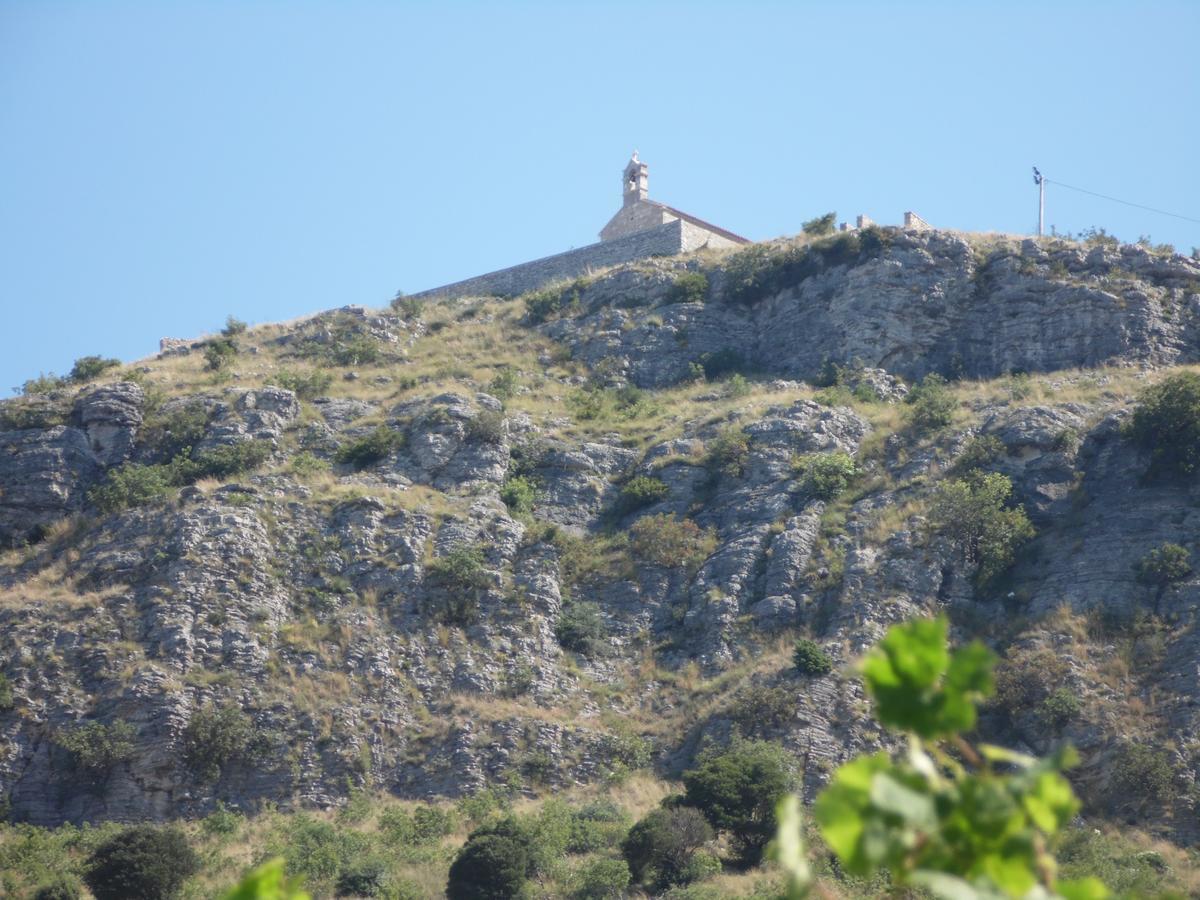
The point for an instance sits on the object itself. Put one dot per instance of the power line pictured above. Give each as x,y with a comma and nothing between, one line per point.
1125,202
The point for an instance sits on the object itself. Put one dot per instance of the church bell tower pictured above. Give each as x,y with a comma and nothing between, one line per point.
636,181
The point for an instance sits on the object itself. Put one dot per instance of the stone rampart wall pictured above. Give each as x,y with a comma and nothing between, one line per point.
663,240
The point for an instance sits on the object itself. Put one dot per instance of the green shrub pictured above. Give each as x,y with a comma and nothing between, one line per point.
424,825
721,362
305,385
1067,440
62,887
701,866
980,452
1166,424
370,448
97,747
1165,564
737,386
172,430
580,628
518,494
594,402
505,384
489,866
1121,863
33,412
216,735
305,464
737,789
598,825
810,659
931,404
689,287
43,384
1098,237
6,693
318,851
550,303
487,427
461,576
219,353
666,540
222,461
761,270
821,225
362,878
431,824
222,821
233,327
1141,772
354,350
131,484
88,367
758,708
479,806
340,340
728,452
638,493
660,847
603,879
142,861
974,514
534,844
827,475
874,240
1060,707
135,484
408,307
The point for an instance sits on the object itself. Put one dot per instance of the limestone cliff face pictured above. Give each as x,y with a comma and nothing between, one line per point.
321,597
925,302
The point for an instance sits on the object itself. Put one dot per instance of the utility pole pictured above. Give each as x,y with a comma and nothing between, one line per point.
1040,181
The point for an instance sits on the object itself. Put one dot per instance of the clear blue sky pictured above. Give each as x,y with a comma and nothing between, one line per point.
163,164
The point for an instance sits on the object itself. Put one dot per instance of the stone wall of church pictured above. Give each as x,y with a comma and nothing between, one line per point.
663,240
634,218
694,237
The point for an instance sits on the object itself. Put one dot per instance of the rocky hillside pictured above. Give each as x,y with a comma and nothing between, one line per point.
542,542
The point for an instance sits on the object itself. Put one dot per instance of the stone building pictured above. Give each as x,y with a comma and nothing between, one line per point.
639,213
641,228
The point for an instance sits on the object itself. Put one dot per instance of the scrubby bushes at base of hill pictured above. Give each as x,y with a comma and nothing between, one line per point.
143,861
662,848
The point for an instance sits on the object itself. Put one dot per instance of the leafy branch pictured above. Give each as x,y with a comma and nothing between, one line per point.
963,822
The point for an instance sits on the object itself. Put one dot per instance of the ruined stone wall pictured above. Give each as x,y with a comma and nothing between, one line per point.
663,240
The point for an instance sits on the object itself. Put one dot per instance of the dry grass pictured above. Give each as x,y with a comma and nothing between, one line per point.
893,518
52,590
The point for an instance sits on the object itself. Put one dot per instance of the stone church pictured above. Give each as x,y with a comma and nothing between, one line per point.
641,228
